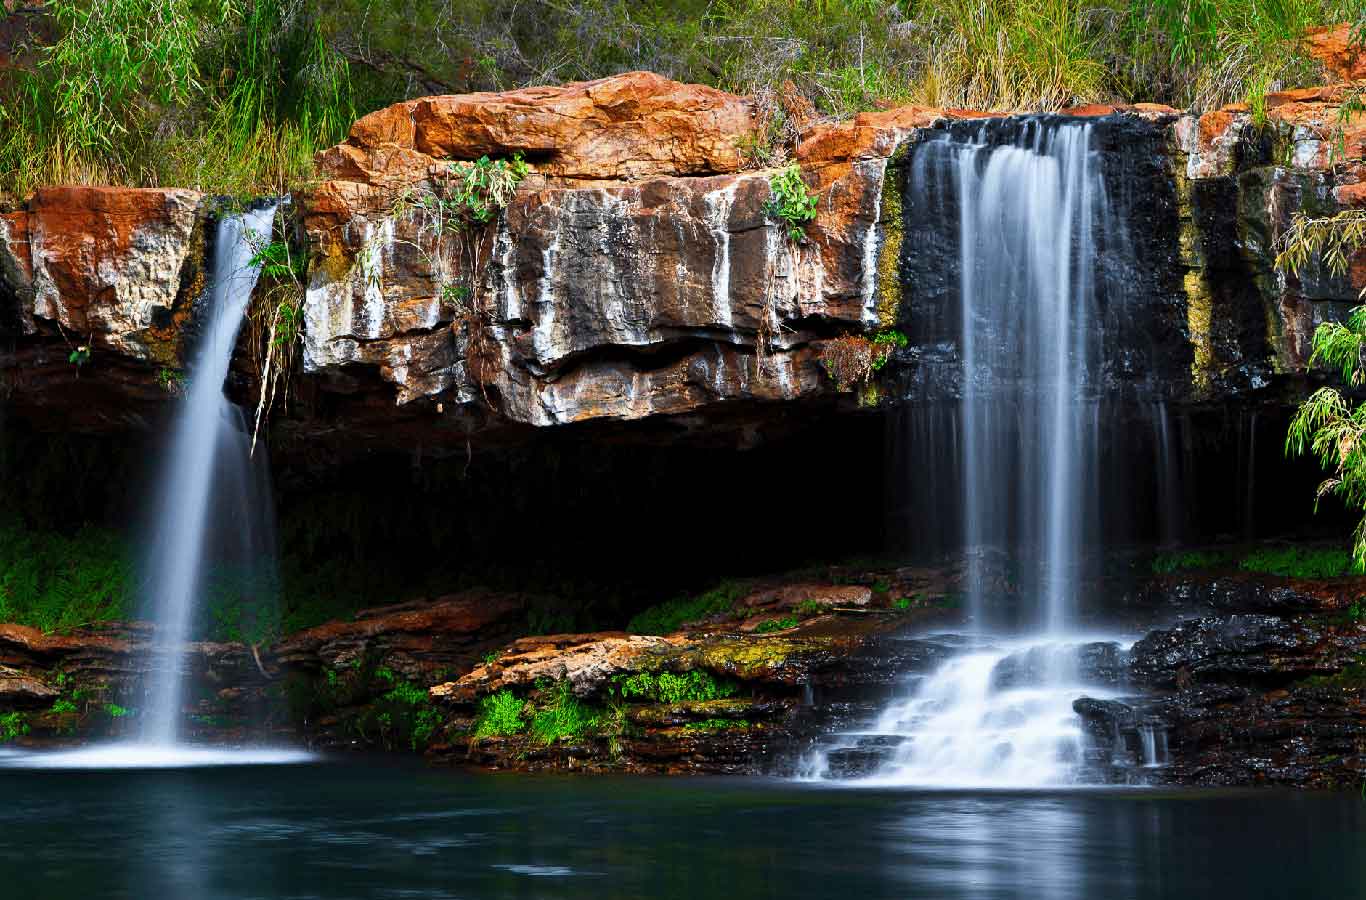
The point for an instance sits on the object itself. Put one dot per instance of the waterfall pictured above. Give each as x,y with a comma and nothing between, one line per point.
206,424
1032,223
210,512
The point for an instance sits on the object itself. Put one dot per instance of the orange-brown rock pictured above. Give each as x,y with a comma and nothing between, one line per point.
107,266
586,661
1341,56
628,126
416,639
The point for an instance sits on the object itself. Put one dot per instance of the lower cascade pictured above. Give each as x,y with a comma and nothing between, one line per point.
1032,220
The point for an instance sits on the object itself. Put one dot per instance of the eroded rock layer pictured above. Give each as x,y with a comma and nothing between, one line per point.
638,270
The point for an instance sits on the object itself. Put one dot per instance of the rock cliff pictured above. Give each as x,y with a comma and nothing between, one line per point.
637,272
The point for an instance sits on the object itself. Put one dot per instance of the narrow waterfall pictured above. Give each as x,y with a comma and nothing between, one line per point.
1032,222
206,425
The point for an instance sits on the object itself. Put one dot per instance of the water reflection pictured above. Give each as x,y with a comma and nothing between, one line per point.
362,832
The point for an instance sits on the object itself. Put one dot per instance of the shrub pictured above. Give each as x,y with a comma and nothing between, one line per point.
12,725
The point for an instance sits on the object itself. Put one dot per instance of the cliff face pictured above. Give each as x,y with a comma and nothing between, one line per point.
637,273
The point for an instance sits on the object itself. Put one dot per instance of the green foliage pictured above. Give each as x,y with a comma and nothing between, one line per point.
772,625
719,725
792,203
885,343
811,608
1167,563
671,615
666,687
500,715
1330,428
236,95
79,356
114,711
172,381
13,725
1300,562
224,95
903,603
63,706
565,717
1328,241
57,582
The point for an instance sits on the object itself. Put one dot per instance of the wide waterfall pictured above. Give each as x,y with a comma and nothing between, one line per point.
1032,220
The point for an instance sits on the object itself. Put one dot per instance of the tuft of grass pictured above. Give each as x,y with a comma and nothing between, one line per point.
673,614
114,711
565,717
782,624
1299,562
1167,563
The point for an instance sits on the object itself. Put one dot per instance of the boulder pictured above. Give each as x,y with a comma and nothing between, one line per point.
635,125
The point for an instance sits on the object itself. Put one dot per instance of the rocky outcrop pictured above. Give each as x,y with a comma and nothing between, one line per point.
637,272
1265,688
64,688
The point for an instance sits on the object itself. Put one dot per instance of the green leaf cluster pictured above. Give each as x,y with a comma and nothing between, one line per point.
791,202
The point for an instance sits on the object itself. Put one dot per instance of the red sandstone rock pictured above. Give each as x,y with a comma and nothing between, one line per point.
105,264
1333,47
627,126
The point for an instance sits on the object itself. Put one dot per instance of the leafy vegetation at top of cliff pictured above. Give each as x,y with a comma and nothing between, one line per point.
235,96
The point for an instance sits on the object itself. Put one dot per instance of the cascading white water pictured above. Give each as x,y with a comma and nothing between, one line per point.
205,422
208,493
1028,215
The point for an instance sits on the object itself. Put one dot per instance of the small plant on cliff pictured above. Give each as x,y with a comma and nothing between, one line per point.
278,321
792,203
500,715
114,711
852,359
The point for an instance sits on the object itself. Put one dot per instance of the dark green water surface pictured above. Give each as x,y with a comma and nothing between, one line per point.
375,830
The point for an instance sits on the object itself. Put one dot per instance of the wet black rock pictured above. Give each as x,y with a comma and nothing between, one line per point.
1227,593
1237,647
